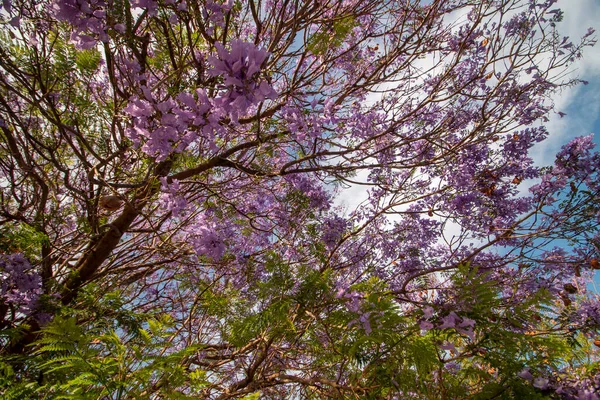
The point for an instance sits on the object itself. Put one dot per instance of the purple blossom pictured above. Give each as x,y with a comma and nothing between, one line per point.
308,186
208,243
150,5
333,230
446,148
452,367
467,323
425,325
525,374
240,68
540,383
519,25
449,321
86,16
353,300
448,346
215,12
366,322
20,284
171,198
7,5
428,312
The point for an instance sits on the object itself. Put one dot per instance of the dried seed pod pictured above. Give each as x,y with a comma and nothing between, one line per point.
573,187
565,299
488,191
110,203
570,288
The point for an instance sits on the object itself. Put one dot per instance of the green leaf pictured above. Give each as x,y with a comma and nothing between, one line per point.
88,61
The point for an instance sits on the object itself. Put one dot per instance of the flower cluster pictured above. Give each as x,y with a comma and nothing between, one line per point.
20,284
215,13
171,199
206,239
463,325
87,17
567,383
310,188
230,126
333,230
171,125
240,68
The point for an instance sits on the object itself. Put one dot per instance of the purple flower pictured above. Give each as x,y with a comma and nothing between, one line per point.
452,367
87,17
20,284
333,230
206,239
310,187
171,199
366,322
425,325
149,5
240,68
209,244
540,383
428,312
449,321
525,374
448,346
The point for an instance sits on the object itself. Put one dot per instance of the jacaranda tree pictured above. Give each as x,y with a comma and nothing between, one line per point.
169,218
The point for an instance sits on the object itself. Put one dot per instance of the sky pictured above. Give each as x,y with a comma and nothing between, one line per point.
580,103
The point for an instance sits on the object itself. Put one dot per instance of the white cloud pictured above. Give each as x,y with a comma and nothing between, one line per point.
349,199
581,103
